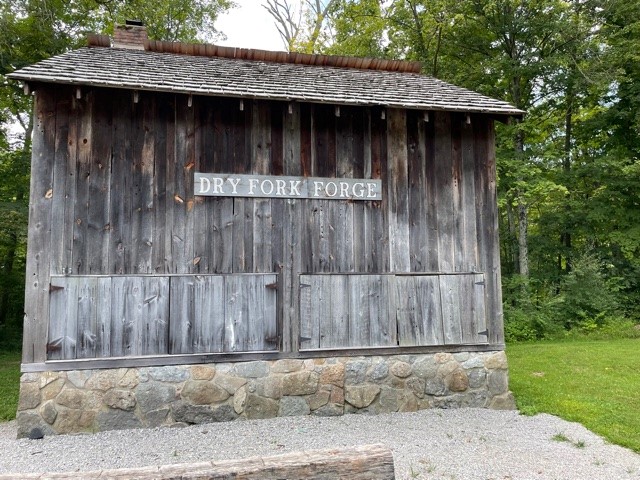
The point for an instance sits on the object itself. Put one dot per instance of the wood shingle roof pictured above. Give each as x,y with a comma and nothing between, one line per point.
257,79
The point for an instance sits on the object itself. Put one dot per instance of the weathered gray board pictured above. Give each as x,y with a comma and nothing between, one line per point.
112,194
351,310
120,316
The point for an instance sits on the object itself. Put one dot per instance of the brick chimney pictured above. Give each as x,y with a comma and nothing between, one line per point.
132,35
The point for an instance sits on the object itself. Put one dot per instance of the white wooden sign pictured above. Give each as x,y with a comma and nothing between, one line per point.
270,186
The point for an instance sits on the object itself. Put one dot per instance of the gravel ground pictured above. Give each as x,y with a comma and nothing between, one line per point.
431,444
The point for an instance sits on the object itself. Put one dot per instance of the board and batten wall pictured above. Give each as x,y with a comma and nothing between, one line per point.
123,259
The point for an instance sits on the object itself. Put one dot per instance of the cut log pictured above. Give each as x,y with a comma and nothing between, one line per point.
366,462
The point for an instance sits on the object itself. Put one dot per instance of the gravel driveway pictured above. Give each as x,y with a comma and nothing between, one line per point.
431,444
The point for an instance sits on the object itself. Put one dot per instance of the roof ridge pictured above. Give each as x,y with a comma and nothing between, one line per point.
297,58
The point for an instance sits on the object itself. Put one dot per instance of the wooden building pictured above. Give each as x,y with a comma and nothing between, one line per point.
193,204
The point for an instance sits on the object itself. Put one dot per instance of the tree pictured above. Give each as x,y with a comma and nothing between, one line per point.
301,27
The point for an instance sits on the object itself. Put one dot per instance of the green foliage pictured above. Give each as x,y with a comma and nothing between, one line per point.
593,383
9,385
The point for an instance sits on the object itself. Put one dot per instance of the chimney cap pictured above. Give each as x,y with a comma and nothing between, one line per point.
134,23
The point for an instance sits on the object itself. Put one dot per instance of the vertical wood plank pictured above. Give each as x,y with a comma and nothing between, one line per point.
398,191
182,316
406,315
59,227
209,321
121,184
444,192
380,245
172,188
38,266
243,208
93,316
469,235
431,194
81,249
479,313
62,319
99,183
308,338
451,308
261,165
161,196
342,211
418,228
292,227
360,329
382,310
336,333
155,316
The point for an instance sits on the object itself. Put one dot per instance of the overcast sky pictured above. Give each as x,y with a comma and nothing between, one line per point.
249,26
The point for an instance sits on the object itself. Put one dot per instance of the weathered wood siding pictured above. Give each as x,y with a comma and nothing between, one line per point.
112,194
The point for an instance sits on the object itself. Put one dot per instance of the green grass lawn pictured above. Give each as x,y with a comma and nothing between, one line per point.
595,383
9,384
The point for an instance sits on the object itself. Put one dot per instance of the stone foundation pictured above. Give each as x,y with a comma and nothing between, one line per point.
97,400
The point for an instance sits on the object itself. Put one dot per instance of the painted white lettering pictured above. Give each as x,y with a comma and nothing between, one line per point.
253,183
317,186
358,189
217,185
234,184
333,186
344,190
202,183
270,190
280,187
294,187
371,190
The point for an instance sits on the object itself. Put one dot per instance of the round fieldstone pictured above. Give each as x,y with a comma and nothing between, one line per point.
71,398
102,380
230,383
497,382
318,399
425,368
52,389
355,372
361,396
29,396
239,400
120,399
287,366
401,369
154,395
259,407
293,406
252,369
169,374
457,381
300,383
417,386
202,372
477,377
379,371
202,392
333,375
496,361
117,420
48,412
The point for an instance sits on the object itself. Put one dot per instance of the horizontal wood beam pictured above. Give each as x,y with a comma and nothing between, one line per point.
372,462
196,359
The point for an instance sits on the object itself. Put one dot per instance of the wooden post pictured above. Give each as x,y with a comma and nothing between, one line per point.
367,462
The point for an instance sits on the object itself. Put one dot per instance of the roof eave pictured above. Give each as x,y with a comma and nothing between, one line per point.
29,78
